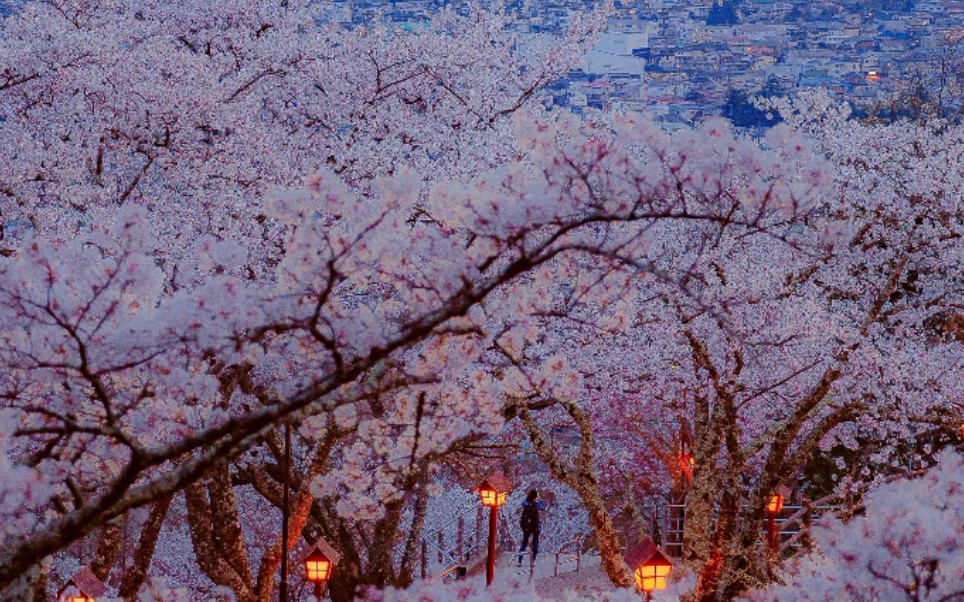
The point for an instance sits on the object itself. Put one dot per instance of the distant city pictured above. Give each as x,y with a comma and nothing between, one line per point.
684,60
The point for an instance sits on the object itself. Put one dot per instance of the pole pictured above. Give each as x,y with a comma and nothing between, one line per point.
283,592
319,590
490,558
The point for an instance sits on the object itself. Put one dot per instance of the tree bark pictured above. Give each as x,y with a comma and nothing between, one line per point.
107,546
135,575
216,533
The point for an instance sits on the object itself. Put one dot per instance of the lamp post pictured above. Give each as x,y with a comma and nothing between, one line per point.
319,562
774,507
493,491
650,566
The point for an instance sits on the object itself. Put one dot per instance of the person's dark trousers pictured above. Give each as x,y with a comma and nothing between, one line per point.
525,544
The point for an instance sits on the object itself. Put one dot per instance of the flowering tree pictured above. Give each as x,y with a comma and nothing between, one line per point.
907,545
180,297
115,388
577,295
193,111
768,348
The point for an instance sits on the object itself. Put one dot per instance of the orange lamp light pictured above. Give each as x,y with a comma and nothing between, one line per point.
494,490
650,566
687,464
80,598
318,567
491,498
775,505
652,576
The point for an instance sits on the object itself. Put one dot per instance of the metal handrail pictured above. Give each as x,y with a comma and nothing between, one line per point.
561,550
790,529
446,553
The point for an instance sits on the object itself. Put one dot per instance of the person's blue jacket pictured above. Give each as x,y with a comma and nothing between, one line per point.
530,520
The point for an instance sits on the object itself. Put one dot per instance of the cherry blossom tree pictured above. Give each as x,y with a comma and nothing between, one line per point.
906,545
574,293
768,349
241,218
196,110
96,352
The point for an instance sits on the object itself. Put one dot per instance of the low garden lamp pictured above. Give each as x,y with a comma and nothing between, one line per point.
319,563
83,586
651,567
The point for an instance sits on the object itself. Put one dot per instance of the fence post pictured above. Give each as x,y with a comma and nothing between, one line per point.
424,559
807,522
458,541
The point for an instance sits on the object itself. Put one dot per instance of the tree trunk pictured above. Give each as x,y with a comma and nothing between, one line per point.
107,546
133,579
713,568
410,557
300,513
216,533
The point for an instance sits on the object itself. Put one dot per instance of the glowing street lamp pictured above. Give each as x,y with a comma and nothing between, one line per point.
650,566
774,507
493,491
319,562
492,496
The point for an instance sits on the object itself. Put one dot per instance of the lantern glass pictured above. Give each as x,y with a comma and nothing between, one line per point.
80,598
318,569
776,503
650,577
491,497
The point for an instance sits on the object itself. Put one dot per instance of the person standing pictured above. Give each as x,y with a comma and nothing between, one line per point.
530,523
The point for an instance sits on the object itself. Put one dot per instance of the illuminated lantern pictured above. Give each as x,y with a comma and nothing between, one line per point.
319,562
687,464
317,567
650,566
83,586
774,507
493,490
